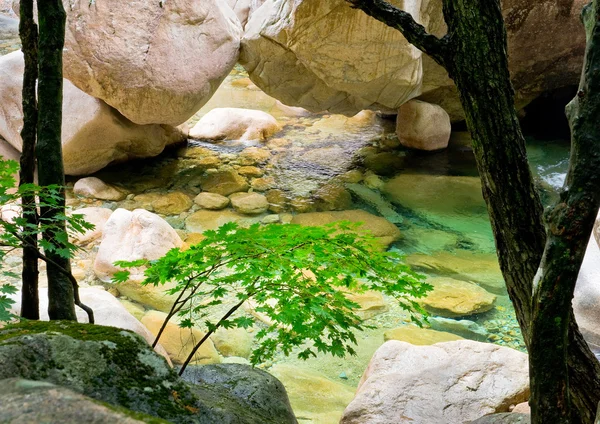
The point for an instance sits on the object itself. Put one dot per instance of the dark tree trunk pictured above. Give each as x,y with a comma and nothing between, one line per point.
474,54
52,17
29,35
570,223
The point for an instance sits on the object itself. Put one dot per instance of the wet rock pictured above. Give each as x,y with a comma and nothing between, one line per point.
97,189
294,64
384,163
375,200
179,342
383,230
314,397
95,216
135,72
371,303
277,200
250,171
254,156
235,124
454,298
423,126
419,336
211,220
333,197
224,182
233,342
249,203
447,382
464,328
28,401
129,236
172,203
211,201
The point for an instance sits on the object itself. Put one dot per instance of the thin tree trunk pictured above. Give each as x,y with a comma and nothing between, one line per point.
52,17
474,54
29,35
570,225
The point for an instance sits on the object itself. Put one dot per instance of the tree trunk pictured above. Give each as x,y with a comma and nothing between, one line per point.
52,17
474,54
29,35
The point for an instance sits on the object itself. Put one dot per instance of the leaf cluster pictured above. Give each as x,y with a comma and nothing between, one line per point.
298,277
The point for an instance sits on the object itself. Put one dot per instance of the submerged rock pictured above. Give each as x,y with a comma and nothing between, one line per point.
93,133
452,382
419,336
160,67
586,301
454,298
235,124
464,328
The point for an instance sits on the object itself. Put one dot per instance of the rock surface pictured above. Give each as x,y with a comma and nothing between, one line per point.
454,298
249,203
224,182
235,124
28,401
423,126
452,382
289,49
586,301
129,236
419,336
95,188
93,133
157,68
211,201
244,8
95,216
504,418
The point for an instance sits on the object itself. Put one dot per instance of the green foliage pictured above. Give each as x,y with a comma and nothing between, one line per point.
14,231
298,277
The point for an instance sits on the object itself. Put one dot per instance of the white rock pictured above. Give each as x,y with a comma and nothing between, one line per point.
244,8
93,134
156,62
95,216
95,188
107,309
423,126
235,124
324,55
452,382
586,301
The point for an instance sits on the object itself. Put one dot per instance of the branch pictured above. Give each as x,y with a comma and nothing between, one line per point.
415,33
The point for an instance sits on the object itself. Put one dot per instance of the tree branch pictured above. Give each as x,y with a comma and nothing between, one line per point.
415,33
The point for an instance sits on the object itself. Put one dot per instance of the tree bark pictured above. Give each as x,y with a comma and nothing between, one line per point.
29,35
474,54
570,223
52,17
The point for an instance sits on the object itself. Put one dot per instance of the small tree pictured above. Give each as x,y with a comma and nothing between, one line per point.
298,277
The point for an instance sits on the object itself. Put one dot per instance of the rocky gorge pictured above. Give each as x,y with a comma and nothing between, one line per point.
201,113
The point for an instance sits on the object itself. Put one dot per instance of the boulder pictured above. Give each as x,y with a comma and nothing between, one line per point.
233,342
203,220
586,301
179,342
250,388
452,298
93,133
129,236
172,203
108,311
419,336
385,232
249,203
28,401
95,216
159,68
211,201
244,8
423,126
235,124
314,54
314,397
119,368
95,188
451,382
224,182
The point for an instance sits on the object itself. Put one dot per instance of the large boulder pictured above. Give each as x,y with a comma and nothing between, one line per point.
28,401
586,301
452,382
129,236
93,133
118,367
423,126
162,60
327,56
230,123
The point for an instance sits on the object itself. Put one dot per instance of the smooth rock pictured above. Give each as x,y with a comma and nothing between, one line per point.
244,8
97,189
160,67
371,303
423,126
451,382
172,203
179,342
224,182
522,408
385,232
333,197
129,236
233,342
211,201
93,134
586,301
504,418
95,216
235,124
314,54
454,298
384,163
249,203
464,328
203,220
419,336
